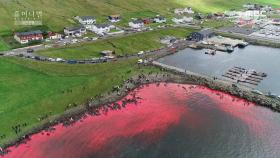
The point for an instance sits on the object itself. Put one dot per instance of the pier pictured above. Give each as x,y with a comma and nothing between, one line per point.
239,74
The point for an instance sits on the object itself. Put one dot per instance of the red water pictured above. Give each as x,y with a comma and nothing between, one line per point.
147,123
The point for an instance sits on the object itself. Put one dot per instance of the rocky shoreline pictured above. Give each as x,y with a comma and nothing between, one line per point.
93,105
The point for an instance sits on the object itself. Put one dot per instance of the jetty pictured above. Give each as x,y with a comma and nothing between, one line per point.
243,75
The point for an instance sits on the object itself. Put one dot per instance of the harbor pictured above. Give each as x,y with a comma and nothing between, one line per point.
224,65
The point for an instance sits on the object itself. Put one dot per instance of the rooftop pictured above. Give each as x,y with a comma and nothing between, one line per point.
206,32
29,33
86,17
102,25
73,28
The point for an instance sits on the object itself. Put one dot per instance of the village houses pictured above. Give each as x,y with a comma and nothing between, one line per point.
114,18
183,20
181,11
159,19
86,20
54,35
136,24
249,14
26,37
75,31
202,35
101,29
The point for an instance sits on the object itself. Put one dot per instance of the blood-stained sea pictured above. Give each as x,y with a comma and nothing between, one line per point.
167,121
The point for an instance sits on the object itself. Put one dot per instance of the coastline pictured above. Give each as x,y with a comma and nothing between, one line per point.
119,92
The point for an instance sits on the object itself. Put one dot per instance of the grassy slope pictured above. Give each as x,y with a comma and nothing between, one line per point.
3,45
221,5
57,14
30,89
122,45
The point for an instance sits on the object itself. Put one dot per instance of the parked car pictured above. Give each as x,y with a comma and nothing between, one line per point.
51,59
37,58
94,38
72,61
59,60
29,50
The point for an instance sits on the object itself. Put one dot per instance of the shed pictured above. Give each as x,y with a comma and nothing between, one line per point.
201,35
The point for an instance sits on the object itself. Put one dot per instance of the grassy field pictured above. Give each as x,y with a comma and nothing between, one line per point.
57,14
3,45
29,90
122,45
216,23
221,5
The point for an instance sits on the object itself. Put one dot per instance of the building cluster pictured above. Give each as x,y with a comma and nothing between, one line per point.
141,22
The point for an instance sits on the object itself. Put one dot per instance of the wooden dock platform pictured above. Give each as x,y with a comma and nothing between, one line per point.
244,75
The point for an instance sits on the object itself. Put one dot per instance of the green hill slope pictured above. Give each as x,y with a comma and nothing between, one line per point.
58,13
221,5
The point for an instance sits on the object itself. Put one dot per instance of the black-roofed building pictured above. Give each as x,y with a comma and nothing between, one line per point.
75,30
201,35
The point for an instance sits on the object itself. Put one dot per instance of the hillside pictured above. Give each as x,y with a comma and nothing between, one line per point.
221,5
57,14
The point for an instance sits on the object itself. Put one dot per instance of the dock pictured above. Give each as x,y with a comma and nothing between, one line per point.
219,40
243,75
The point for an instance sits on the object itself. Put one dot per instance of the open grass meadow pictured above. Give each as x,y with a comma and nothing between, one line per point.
221,5
3,45
30,90
58,14
122,45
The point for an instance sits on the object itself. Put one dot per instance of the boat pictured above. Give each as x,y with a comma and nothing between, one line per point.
230,49
210,52
257,92
243,44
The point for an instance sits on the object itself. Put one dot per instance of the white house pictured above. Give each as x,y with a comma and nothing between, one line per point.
249,6
54,35
86,20
183,20
159,19
187,10
136,24
76,30
101,29
114,18
249,14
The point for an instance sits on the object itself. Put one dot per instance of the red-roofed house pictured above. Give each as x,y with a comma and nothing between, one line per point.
26,37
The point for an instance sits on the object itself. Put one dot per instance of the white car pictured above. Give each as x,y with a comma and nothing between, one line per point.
51,59
141,53
94,38
59,60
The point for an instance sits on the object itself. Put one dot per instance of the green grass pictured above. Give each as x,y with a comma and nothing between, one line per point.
3,45
222,5
31,89
122,45
58,14
216,23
